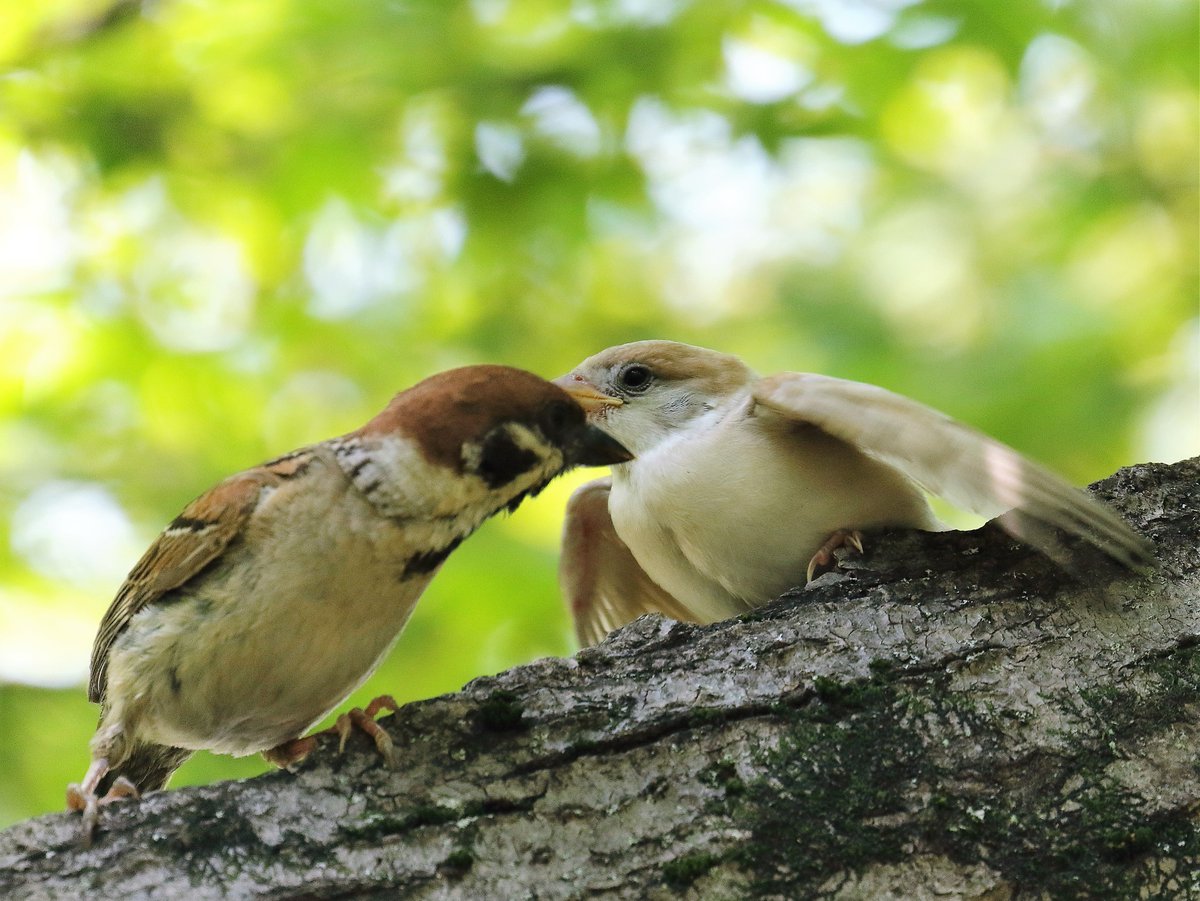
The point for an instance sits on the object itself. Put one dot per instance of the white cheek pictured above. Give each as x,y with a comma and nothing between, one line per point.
401,483
638,428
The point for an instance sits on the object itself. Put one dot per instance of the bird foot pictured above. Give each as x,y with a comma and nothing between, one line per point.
824,555
82,796
361,717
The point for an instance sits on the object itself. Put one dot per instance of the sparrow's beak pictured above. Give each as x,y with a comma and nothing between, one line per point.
586,394
591,446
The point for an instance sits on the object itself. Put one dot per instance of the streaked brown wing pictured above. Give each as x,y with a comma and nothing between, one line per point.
192,541
602,583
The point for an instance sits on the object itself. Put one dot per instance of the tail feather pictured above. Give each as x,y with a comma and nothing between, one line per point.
147,766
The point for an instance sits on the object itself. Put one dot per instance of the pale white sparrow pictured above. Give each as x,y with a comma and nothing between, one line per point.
277,592
741,485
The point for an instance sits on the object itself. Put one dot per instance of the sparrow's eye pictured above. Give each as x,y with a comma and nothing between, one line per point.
635,377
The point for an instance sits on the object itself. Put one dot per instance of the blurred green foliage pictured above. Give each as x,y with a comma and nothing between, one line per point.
228,229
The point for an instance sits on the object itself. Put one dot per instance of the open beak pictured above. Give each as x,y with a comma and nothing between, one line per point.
586,394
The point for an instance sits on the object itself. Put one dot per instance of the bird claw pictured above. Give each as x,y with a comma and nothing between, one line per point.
824,555
854,539
364,719
361,717
83,797
76,797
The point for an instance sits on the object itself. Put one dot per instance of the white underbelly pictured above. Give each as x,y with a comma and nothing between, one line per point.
727,521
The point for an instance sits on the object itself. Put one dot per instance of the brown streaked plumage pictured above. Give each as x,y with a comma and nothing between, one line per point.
742,485
192,541
273,595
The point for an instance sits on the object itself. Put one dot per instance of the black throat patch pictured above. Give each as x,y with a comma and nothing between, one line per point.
425,563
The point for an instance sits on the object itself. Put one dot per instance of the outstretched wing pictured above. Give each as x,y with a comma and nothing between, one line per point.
190,543
602,583
953,461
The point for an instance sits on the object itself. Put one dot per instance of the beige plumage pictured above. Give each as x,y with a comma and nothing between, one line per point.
740,484
276,593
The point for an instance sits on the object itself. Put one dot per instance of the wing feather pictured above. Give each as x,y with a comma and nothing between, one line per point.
602,583
953,461
191,542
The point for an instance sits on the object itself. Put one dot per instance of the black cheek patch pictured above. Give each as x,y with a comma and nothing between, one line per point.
425,563
501,460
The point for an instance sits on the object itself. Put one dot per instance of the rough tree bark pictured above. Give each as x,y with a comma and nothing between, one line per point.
950,716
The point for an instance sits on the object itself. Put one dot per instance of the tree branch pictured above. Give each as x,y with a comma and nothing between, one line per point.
950,715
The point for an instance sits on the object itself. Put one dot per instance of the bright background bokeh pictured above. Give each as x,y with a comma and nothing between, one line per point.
229,229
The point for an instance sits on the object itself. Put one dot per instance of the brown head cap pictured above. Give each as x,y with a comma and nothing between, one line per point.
461,406
712,372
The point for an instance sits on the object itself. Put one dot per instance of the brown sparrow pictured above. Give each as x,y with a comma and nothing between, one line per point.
742,486
276,593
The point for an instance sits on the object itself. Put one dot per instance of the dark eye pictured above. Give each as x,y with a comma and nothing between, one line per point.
635,377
